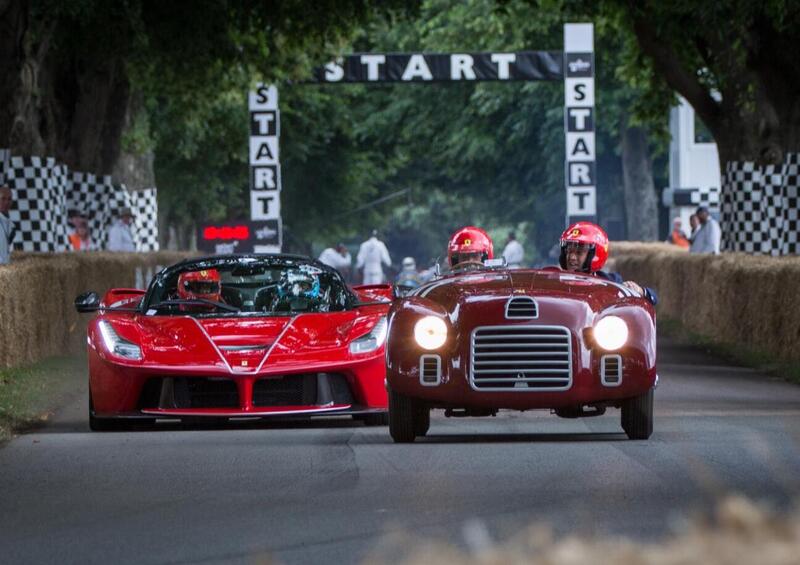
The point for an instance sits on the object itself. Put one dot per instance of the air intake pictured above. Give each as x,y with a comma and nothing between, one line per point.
521,308
611,370
430,370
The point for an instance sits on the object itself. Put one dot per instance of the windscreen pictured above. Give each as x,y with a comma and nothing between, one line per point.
249,288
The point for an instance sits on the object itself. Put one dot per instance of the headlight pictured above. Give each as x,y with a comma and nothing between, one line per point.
372,340
117,345
611,333
430,332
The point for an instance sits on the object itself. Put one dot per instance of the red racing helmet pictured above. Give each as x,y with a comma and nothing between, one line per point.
469,240
203,284
590,235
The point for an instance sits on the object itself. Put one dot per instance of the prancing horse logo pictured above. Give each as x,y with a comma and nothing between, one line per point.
520,375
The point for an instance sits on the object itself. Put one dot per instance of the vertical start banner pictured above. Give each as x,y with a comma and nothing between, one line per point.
579,122
265,169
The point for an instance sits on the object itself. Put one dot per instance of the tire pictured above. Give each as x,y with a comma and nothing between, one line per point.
381,419
637,416
403,417
422,423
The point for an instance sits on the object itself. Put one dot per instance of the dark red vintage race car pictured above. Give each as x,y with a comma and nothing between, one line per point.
473,343
237,336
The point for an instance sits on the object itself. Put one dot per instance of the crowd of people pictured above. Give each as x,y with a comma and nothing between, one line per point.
120,233
705,234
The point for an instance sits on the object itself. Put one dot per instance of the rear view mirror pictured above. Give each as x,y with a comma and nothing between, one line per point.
87,302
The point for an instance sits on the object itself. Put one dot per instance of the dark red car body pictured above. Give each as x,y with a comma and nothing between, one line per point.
222,367
521,339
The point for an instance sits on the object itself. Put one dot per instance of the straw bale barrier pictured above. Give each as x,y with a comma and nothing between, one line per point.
37,290
733,298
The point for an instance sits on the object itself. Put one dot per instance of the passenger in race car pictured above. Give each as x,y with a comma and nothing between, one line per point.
584,249
199,285
468,248
298,291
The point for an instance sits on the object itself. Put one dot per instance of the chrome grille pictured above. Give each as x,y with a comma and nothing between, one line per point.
521,358
522,307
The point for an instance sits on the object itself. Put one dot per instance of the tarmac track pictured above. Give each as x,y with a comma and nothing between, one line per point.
333,491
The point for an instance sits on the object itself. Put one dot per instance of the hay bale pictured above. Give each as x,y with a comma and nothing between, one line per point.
732,298
37,291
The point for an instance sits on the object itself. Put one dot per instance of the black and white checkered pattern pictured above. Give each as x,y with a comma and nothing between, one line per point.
44,191
759,207
145,210
39,213
709,197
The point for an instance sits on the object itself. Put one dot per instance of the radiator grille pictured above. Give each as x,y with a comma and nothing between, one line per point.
521,307
521,358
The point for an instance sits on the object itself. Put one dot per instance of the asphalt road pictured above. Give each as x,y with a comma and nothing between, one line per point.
329,492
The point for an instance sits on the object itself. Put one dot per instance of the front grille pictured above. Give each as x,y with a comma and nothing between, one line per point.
521,307
189,392
521,358
308,389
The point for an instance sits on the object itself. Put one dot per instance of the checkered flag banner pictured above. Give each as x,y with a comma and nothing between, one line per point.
145,211
39,213
760,207
45,191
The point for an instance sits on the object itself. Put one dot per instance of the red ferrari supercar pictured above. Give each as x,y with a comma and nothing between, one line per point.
475,342
237,336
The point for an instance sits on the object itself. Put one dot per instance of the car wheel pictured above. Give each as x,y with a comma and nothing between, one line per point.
422,422
637,416
403,416
381,419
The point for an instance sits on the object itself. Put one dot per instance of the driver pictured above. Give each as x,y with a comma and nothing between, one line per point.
468,248
199,285
297,290
584,249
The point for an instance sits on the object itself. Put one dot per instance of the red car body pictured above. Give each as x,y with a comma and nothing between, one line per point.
521,340
223,366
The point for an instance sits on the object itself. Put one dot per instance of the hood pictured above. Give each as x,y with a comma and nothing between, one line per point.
241,345
453,292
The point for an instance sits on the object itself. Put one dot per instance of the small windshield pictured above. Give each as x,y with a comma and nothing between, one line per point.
247,287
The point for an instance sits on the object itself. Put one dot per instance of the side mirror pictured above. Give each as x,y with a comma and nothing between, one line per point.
87,302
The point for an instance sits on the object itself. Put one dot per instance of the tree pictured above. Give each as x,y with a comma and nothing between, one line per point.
735,62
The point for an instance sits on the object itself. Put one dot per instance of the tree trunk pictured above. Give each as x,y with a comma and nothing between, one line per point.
641,206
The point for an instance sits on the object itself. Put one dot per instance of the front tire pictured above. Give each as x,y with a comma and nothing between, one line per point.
404,418
637,416
423,421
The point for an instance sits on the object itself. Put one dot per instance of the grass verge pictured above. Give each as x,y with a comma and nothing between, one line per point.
29,394
739,354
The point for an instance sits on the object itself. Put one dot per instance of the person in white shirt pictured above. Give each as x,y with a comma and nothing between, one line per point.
120,236
338,258
706,238
6,227
513,253
372,255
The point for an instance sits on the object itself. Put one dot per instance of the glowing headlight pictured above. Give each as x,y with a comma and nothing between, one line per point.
117,345
430,332
611,333
372,340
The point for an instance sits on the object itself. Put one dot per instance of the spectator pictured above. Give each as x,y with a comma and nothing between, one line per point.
694,223
339,258
79,238
408,275
371,255
677,237
706,238
513,252
6,227
120,236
